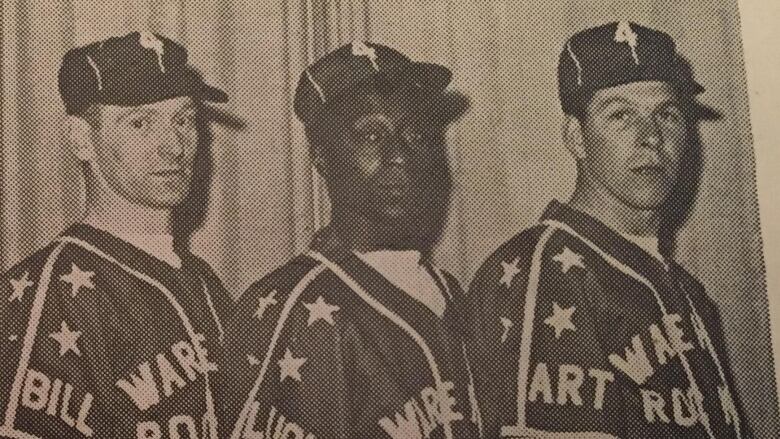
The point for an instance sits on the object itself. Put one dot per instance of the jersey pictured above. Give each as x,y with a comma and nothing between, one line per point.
577,330
327,347
99,339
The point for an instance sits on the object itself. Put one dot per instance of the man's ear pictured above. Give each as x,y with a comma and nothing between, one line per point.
81,140
573,137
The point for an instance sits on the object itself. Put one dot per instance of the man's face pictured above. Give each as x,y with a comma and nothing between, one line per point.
634,136
146,153
387,165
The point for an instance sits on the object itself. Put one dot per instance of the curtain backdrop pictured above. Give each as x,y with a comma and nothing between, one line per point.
506,152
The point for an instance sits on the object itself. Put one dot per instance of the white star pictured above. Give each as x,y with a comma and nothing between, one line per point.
19,285
289,366
320,310
360,48
78,279
560,320
253,361
510,271
264,303
67,339
12,337
569,259
507,324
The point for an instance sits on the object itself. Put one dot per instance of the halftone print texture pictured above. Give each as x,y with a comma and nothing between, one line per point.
94,327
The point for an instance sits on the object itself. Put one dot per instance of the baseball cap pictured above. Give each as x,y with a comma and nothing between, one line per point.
134,69
351,65
619,53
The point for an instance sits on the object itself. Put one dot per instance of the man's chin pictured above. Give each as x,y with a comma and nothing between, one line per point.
648,202
401,231
164,200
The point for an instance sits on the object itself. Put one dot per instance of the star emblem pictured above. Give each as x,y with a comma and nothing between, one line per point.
510,271
560,320
264,303
507,324
290,366
253,361
12,337
568,259
360,48
67,339
78,279
320,310
148,40
19,286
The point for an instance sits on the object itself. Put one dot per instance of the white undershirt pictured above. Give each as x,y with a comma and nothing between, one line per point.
404,270
158,245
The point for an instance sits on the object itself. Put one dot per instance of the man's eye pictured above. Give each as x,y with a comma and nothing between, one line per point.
620,115
185,121
671,115
139,124
372,136
414,137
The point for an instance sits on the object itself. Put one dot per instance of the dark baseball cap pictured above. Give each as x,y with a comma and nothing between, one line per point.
619,53
352,65
134,69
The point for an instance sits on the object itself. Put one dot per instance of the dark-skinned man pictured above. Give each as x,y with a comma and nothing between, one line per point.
112,331
358,338
582,326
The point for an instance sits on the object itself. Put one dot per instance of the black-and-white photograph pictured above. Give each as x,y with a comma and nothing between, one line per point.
403,219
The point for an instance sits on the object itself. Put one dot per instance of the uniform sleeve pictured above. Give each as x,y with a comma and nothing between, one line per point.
47,382
284,371
714,325
489,324
538,366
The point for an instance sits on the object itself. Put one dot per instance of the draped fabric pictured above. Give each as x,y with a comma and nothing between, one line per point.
508,160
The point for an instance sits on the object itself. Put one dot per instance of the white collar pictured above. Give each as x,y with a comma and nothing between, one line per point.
403,268
158,245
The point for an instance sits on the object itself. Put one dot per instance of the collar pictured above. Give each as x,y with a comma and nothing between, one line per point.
328,243
125,252
158,245
606,238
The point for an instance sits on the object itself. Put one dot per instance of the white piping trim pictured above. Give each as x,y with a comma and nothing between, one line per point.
315,85
393,317
173,302
97,72
472,393
529,311
213,310
29,338
625,269
515,431
288,305
442,280
576,62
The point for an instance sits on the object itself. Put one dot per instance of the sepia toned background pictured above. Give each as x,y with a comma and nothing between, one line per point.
507,156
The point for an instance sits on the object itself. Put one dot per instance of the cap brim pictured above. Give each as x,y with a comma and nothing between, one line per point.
212,94
428,76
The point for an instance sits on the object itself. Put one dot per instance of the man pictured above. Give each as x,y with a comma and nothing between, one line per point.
357,338
109,332
582,326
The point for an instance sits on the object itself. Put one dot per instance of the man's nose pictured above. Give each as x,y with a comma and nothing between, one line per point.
650,134
396,151
172,143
